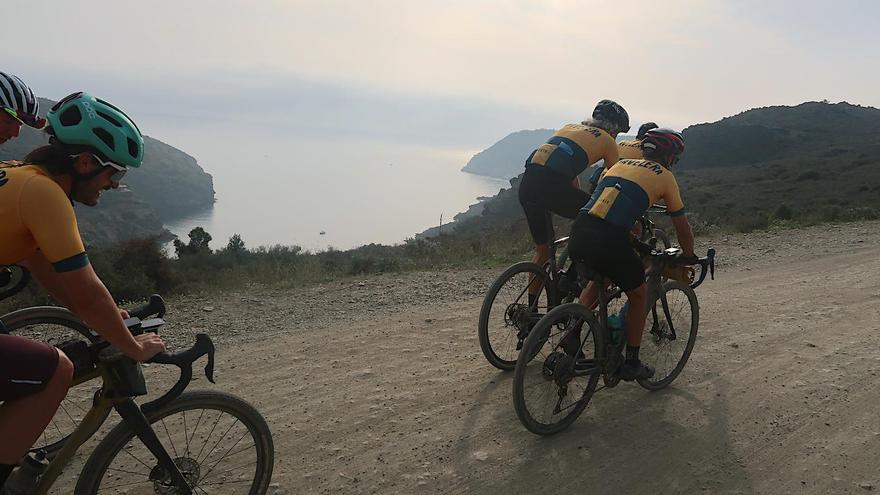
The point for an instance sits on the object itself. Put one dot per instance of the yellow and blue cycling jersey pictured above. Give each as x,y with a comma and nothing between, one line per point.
630,149
574,148
629,187
36,214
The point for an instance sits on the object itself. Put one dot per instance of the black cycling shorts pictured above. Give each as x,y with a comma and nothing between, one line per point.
25,366
541,191
607,249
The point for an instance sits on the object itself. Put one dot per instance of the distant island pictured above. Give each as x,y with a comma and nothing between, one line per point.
170,184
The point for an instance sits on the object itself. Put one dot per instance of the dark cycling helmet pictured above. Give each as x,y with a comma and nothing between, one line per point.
17,99
647,126
81,120
610,111
663,142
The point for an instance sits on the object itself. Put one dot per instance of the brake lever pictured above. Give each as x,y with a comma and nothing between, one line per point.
711,256
209,368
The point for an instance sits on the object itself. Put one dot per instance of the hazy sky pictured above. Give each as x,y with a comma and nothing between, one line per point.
449,74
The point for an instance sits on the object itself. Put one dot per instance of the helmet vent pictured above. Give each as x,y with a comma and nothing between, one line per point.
110,119
104,136
70,117
133,148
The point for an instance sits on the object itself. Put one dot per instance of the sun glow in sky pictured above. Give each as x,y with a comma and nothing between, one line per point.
449,73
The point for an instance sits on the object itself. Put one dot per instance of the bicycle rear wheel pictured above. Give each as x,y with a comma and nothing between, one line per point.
506,316
54,326
220,443
665,352
557,370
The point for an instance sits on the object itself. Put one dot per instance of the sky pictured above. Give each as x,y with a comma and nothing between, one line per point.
446,75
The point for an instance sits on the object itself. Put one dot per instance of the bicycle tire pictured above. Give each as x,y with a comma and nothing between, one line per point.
34,323
655,344
527,364
93,473
503,354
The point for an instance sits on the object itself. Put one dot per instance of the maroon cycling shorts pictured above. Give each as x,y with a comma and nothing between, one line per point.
25,366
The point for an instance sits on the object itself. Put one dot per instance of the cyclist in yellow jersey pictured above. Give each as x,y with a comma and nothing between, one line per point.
91,146
632,148
550,182
600,236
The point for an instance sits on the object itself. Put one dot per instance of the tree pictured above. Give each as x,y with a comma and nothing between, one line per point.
236,247
198,243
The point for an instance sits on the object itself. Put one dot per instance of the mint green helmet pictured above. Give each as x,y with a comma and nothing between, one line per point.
81,120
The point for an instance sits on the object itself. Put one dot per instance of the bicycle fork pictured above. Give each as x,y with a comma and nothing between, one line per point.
136,420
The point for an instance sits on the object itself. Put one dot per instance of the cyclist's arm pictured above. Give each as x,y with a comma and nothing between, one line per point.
684,233
42,270
675,207
86,296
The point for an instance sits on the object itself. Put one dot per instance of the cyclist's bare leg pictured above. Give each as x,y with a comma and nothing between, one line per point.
589,295
542,255
636,314
22,421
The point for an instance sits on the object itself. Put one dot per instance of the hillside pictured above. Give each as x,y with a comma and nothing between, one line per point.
169,184
808,163
505,158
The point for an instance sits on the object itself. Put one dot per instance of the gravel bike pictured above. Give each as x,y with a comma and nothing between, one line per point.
180,443
572,347
506,317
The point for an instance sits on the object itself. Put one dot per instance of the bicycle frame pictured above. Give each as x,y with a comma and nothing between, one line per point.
108,399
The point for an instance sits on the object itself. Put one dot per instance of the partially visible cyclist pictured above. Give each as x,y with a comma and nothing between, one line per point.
601,234
91,146
632,148
550,182
19,107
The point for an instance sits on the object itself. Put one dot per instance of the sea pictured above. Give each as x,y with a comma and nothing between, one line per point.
318,197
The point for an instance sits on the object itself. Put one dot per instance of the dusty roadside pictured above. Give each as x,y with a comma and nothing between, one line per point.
377,385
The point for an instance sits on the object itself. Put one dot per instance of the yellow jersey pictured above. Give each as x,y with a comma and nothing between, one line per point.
36,214
630,149
629,187
574,148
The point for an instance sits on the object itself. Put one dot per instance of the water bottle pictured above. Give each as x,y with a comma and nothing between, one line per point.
616,328
24,478
622,314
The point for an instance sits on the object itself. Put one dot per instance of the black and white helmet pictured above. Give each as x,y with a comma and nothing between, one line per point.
17,96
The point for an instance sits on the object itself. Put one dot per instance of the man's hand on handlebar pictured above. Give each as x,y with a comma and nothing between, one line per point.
149,344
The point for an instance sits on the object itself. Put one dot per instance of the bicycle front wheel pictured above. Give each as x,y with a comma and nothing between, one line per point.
506,316
558,369
667,341
220,443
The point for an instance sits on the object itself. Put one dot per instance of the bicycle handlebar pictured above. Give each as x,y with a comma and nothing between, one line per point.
673,257
6,276
183,360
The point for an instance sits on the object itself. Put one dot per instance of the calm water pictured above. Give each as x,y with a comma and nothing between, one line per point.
356,193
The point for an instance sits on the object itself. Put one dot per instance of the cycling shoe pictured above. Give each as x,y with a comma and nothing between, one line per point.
634,369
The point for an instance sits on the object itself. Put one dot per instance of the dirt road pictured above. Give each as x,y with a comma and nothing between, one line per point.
378,385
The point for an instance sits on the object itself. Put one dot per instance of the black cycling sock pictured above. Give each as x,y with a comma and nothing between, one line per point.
632,353
5,469
533,298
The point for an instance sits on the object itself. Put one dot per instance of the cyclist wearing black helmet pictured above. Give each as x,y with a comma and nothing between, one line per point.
632,148
550,182
600,236
19,106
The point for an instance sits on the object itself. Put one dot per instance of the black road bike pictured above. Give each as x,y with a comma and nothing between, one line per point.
572,347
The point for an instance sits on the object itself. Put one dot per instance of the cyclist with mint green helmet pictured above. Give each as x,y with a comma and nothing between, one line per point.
91,146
